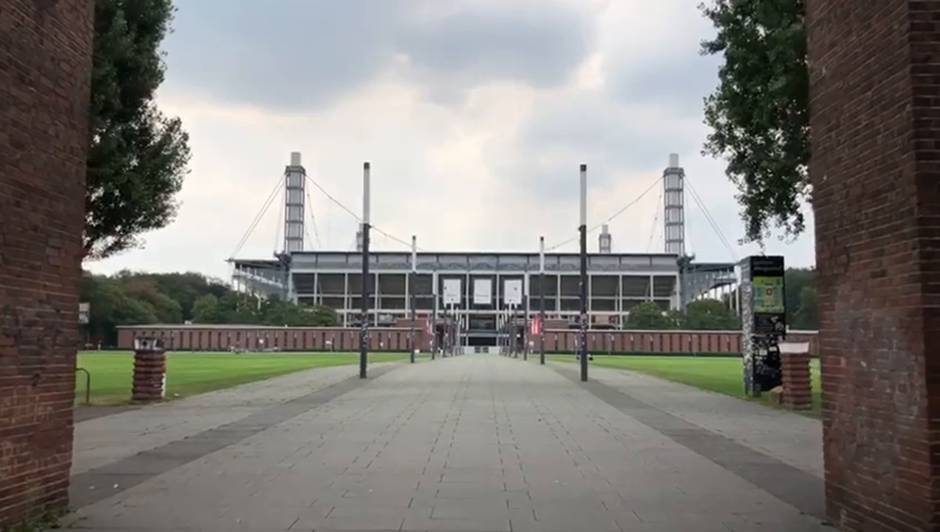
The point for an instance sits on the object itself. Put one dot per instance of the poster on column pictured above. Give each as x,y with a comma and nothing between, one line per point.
482,291
512,288
451,291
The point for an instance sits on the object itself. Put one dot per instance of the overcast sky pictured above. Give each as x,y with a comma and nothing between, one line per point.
474,114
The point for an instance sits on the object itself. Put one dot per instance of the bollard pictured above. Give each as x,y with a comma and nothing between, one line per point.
149,371
795,373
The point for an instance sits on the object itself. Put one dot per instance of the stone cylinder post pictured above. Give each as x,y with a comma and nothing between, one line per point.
795,373
149,371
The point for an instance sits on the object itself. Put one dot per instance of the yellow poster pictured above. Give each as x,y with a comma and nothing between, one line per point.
768,295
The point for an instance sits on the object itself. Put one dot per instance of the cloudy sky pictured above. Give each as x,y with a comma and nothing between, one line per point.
474,114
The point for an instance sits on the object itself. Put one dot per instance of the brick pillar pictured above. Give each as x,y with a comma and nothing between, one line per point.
797,383
45,66
875,120
149,371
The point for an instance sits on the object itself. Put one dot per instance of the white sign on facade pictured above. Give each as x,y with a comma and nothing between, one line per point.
512,290
482,291
84,313
451,291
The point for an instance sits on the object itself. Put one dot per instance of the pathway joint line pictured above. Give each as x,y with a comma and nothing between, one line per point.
794,486
110,479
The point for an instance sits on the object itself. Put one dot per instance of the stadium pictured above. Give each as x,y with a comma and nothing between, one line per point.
487,298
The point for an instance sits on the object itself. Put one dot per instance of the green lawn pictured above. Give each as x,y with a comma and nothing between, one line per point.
717,374
190,374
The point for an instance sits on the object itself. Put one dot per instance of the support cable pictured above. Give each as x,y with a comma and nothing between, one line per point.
654,229
313,221
257,218
357,217
609,218
277,229
711,221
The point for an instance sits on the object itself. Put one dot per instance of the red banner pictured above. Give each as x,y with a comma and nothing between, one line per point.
535,328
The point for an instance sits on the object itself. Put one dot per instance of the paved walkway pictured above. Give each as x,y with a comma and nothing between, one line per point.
477,443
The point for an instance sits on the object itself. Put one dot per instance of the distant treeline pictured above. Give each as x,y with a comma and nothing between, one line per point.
145,298
717,315
128,298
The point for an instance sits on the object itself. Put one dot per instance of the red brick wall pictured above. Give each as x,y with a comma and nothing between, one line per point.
396,339
875,112
45,60
285,339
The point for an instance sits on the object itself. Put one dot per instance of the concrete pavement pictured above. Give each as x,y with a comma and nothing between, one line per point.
476,443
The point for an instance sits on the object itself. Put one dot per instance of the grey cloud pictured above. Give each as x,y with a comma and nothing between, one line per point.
679,82
540,44
286,54
609,137
300,54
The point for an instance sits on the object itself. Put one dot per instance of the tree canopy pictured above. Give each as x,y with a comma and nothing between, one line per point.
649,315
137,156
802,307
759,113
143,298
710,315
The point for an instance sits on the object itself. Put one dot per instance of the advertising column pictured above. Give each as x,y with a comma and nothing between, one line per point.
763,321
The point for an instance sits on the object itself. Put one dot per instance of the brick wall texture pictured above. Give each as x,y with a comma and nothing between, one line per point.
45,61
222,338
875,117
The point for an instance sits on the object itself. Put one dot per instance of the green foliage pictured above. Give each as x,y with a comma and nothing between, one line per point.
144,298
759,114
185,288
166,309
709,315
649,315
112,306
802,305
206,309
137,156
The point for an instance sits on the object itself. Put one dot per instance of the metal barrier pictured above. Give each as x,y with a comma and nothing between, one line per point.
87,384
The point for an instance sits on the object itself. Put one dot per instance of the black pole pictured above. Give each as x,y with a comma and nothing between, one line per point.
433,321
364,329
413,316
525,330
582,347
411,288
542,301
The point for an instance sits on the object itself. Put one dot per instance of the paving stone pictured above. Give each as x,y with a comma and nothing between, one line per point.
474,443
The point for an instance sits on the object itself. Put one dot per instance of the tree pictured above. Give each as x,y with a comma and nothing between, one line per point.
137,156
710,315
807,315
759,114
648,315
802,312
167,309
206,310
110,307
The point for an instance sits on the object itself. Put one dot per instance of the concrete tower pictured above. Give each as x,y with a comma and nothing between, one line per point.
604,241
674,206
295,178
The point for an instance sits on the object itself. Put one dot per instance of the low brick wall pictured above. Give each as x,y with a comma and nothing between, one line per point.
194,338
225,338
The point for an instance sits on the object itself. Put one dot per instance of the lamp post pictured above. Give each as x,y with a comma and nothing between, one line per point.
411,289
582,346
364,327
542,300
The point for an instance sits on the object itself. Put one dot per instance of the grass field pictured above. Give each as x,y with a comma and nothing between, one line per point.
717,374
190,374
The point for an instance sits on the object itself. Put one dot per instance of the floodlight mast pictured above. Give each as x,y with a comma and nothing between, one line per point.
582,339
364,327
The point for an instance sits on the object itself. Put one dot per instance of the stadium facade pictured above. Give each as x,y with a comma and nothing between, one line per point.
485,294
